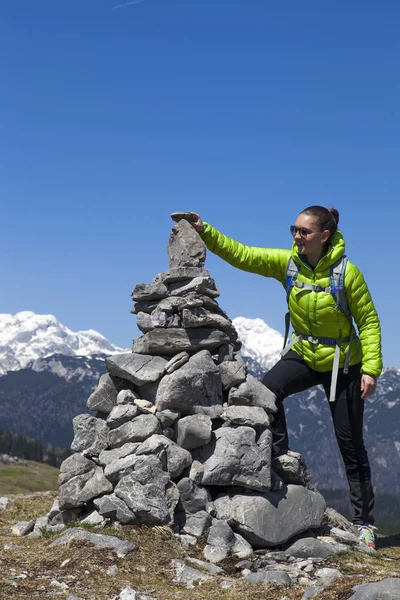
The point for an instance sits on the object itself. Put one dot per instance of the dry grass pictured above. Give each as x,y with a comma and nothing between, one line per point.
147,569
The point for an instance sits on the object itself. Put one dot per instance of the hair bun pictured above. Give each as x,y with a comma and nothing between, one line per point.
335,214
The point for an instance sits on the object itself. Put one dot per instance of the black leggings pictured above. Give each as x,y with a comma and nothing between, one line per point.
291,375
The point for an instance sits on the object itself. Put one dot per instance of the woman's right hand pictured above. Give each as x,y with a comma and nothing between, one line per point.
197,222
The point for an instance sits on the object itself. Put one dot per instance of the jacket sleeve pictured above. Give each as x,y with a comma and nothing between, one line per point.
269,262
364,313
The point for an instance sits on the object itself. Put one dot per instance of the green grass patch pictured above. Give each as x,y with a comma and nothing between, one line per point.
26,478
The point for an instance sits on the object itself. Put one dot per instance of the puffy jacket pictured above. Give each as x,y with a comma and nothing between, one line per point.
313,313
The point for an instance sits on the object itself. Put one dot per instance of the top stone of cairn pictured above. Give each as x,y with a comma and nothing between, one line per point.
185,247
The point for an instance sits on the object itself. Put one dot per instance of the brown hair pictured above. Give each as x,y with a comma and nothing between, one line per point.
328,218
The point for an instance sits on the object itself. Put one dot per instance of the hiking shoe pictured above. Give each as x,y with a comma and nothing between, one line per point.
367,535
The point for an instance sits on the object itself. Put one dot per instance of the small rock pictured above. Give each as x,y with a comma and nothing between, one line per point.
311,592
5,502
22,528
112,570
326,576
225,585
188,575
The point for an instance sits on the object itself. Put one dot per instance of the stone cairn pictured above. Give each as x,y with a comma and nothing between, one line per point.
181,433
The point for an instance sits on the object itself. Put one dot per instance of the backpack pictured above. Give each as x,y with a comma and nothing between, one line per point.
336,289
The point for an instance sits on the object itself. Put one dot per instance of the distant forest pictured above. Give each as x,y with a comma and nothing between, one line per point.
26,448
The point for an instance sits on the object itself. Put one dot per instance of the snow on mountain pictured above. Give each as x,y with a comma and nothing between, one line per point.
26,337
261,345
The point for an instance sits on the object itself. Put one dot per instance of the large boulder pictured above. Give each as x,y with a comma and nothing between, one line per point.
194,388
271,518
233,458
171,341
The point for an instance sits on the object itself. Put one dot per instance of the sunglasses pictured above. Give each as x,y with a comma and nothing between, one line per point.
303,231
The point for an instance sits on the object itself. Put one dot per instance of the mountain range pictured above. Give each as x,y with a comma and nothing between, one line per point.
47,373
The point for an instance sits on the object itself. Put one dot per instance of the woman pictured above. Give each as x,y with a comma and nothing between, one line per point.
325,348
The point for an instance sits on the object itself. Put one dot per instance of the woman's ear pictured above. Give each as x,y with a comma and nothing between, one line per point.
326,235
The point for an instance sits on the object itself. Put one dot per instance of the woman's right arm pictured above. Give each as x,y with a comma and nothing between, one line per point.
269,262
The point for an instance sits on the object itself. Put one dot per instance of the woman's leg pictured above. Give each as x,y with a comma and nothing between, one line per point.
288,376
347,414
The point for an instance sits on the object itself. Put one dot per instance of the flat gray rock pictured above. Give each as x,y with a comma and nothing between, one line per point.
193,431
253,393
194,388
312,547
188,575
120,547
250,416
137,368
119,468
22,528
169,342
185,247
180,274
137,430
201,317
112,507
146,307
90,435
120,414
386,589
272,518
144,292
108,456
269,576
344,537
199,285
233,458
176,362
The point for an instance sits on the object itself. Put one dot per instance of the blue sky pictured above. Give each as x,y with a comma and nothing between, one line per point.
115,114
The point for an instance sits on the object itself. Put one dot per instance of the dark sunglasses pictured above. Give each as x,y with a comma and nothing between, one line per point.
303,231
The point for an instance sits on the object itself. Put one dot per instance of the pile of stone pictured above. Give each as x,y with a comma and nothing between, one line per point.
181,433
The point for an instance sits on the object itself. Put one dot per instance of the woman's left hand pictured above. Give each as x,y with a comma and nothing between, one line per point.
368,385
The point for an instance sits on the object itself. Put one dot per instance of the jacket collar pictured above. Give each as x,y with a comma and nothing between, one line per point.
335,251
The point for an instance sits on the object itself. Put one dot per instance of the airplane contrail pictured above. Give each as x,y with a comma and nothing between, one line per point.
128,3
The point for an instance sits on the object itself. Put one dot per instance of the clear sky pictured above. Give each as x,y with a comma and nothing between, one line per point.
113,114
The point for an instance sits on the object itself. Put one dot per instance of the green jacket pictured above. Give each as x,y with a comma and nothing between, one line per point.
313,313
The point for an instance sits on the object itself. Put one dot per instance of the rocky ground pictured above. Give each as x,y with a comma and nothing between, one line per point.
89,562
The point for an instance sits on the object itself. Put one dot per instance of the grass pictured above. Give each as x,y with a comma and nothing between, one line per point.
25,478
33,564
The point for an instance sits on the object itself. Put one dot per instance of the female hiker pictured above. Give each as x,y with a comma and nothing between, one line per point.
325,293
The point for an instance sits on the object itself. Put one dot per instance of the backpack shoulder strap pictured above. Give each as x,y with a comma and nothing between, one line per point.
291,275
337,285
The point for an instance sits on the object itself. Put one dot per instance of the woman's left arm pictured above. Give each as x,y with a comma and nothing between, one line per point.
364,313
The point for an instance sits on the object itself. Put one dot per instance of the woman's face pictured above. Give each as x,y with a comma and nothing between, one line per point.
308,236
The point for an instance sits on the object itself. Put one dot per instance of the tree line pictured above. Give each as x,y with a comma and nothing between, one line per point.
26,448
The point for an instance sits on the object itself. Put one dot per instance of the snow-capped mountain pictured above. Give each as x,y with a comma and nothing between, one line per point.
261,345
27,337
